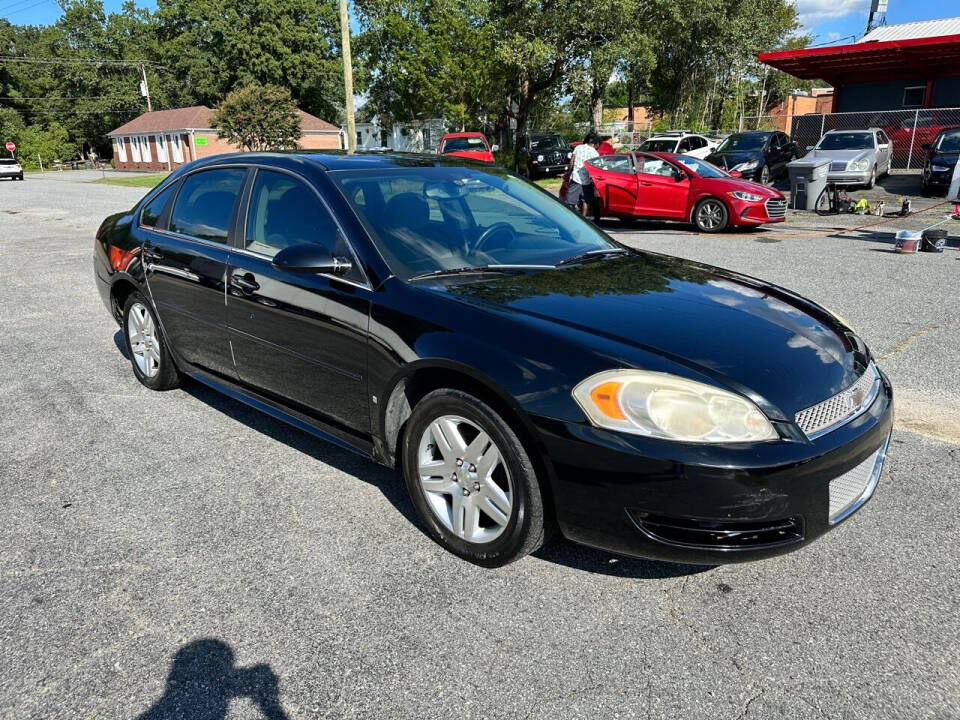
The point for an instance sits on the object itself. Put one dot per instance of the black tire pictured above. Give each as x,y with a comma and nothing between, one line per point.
873,179
700,222
20,176
166,376
764,178
526,528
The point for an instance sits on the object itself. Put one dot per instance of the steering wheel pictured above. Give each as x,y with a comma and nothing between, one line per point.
497,227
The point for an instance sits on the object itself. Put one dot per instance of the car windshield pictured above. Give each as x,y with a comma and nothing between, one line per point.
700,167
7,161
846,141
948,141
666,145
432,219
738,143
460,144
547,142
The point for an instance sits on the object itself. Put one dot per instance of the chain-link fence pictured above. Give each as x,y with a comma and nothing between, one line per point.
909,130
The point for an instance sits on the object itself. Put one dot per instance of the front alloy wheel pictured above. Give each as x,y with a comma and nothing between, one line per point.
471,480
710,215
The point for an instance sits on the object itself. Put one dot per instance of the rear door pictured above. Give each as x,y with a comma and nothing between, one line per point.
186,261
298,337
662,189
616,183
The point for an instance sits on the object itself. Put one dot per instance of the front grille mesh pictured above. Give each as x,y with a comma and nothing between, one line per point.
838,166
848,489
776,208
839,408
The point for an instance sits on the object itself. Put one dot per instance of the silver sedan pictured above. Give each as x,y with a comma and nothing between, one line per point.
857,157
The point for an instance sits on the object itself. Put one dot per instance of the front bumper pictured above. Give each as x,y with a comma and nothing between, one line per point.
710,504
743,212
849,177
10,173
941,178
548,169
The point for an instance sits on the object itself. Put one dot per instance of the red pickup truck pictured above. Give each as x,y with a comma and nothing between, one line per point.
470,145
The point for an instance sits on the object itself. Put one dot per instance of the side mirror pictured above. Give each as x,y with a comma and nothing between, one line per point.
679,176
494,148
310,258
809,148
884,146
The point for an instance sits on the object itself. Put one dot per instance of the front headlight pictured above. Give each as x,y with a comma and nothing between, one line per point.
569,155
939,168
859,165
748,196
668,407
748,165
539,158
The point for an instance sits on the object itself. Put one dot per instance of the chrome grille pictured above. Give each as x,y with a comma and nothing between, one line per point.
852,489
840,166
842,407
776,208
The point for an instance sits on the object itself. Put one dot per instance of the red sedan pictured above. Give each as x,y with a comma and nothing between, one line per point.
663,186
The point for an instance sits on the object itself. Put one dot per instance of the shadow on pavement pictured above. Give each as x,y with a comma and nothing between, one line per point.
203,680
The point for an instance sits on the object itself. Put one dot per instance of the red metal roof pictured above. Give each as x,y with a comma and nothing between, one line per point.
919,58
199,117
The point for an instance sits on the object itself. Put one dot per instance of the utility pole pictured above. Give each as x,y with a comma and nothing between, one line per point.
877,7
144,88
347,75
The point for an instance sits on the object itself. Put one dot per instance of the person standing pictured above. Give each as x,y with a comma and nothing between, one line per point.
606,147
580,188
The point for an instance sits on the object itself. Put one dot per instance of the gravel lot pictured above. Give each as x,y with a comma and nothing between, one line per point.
176,555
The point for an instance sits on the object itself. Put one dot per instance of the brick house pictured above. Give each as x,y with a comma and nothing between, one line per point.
167,139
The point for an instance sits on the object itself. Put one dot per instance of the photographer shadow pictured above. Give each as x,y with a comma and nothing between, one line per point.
203,680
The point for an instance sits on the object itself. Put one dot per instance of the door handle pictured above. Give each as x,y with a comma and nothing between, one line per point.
645,183
245,281
151,255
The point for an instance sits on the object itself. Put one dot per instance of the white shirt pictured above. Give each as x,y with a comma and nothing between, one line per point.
582,153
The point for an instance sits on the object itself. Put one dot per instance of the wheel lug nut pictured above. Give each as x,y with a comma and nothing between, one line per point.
473,468
466,492
459,462
476,486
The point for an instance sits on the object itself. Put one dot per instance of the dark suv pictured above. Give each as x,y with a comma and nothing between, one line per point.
940,160
544,155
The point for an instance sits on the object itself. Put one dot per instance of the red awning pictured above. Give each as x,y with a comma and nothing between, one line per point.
920,58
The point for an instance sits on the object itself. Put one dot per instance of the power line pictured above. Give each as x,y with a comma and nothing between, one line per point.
28,7
86,61
75,97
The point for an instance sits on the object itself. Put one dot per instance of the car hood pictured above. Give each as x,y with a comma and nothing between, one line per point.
482,155
839,155
948,158
729,160
656,312
733,184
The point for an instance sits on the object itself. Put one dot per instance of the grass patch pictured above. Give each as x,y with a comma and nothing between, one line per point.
552,184
144,181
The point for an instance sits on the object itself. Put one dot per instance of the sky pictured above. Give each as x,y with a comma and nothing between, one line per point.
829,21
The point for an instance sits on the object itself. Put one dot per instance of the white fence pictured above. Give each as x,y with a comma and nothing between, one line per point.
908,130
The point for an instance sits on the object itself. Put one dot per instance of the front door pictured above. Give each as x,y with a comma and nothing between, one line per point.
298,337
186,263
663,189
616,183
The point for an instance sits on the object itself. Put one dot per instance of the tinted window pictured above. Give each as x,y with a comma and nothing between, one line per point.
613,163
735,143
949,141
205,204
701,167
285,212
547,142
7,161
668,145
154,209
846,141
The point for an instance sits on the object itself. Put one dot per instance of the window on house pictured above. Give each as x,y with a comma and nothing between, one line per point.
162,148
135,149
913,96
145,148
177,148
426,138
121,150
359,139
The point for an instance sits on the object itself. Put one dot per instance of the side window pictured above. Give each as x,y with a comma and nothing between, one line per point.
285,212
152,212
684,146
613,163
205,203
656,166
697,142
882,137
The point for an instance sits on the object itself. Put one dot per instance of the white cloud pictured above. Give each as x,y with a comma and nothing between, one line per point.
811,12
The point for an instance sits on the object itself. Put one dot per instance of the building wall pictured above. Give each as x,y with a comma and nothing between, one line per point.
154,164
870,96
946,92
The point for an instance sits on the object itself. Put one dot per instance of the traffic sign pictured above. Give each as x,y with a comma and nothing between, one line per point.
11,146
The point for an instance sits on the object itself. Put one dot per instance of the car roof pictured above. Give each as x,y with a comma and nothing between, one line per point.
463,134
337,159
754,132
852,130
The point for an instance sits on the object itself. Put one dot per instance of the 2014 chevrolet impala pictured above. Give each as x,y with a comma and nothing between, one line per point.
525,371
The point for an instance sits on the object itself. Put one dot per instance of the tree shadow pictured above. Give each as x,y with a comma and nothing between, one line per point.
203,680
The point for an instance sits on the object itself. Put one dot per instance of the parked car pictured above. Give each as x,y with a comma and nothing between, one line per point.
760,155
468,145
544,155
680,142
858,157
522,369
941,160
919,129
660,186
10,168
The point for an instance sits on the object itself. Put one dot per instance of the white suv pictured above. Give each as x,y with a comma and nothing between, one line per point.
10,168
681,142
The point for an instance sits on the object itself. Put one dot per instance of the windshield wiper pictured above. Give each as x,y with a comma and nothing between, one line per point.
583,257
480,269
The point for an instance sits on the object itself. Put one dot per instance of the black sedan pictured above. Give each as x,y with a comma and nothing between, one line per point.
760,155
521,369
940,161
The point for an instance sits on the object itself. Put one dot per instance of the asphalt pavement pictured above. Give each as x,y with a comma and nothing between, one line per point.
177,555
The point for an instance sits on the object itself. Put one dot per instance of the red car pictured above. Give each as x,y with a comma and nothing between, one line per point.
663,186
469,145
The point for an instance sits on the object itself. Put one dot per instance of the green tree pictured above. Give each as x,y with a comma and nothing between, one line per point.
259,118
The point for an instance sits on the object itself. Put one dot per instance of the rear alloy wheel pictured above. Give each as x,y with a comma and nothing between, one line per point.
711,215
152,364
471,480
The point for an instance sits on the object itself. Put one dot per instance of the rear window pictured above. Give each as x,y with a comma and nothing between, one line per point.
7,161
659,145
205,203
